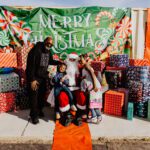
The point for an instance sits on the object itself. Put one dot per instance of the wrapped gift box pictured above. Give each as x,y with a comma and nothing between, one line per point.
116,68
119,60
141,107
135,90
9,82
146,89
139,62
8,60
115,78
98,65
22,98
22,53
138,73
114,102
7,102
130,111
126,98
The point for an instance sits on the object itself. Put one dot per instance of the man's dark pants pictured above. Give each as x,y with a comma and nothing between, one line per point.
37,99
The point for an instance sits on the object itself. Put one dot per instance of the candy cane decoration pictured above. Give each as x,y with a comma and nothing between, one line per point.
101,14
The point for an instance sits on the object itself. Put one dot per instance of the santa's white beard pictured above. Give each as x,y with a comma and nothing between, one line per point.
72,71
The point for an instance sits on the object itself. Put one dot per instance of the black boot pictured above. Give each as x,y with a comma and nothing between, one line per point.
66,119
35,120
78,118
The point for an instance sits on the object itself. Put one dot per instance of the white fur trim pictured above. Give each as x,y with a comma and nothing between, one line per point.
64,109
73,56
81,107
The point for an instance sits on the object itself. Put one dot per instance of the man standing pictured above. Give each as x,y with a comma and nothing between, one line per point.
38,60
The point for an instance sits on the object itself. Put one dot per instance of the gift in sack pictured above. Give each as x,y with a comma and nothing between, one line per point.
52,69
95,99
51,98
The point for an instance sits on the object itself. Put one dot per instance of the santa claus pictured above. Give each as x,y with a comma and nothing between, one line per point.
79,96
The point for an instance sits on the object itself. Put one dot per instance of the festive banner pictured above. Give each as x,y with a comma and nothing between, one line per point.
94,30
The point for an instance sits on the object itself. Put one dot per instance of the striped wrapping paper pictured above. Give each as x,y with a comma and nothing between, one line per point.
8,60
9,82
135,90
119,60
7,101
138,73
139,62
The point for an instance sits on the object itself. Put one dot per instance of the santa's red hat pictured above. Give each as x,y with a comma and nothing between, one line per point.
63,102
73,55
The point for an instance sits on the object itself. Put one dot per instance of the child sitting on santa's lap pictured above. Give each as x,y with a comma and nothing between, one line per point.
61,82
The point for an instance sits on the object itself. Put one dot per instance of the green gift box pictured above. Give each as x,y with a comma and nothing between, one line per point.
130,111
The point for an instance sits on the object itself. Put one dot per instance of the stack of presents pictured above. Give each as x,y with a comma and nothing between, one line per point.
13,90
129,86
128,81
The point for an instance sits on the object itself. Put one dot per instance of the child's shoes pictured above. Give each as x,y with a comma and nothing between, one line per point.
99,119
92,120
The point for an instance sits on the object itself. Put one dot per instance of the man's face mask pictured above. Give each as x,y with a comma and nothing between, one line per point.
48,45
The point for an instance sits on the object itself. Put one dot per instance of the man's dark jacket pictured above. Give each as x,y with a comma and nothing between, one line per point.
37,63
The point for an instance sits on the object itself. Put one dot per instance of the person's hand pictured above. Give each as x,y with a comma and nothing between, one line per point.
34,85
62,79
95,89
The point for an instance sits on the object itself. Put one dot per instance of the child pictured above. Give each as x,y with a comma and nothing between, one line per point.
60,84
91,84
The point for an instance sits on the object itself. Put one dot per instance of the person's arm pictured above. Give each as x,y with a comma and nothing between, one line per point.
52,61
90,69
30,71
66,82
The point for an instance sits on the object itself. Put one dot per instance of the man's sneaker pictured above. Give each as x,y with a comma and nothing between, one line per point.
57,115
92,120
99,119
73,107
35,120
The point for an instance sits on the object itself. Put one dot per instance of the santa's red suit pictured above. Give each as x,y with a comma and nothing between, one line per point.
79,96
